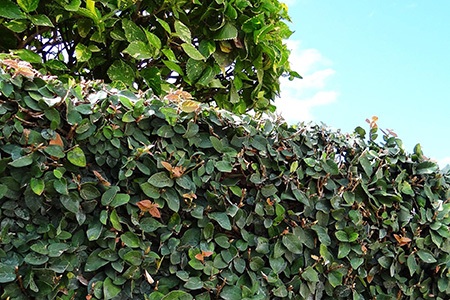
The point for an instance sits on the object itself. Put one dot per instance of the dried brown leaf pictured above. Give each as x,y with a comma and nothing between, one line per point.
150,207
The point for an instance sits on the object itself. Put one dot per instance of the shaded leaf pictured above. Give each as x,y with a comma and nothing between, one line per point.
10,10
292,243
426,256
222,219
22,161
110,290
227,32
7,273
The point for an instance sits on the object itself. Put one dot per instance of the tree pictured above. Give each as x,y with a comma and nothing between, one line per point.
227,51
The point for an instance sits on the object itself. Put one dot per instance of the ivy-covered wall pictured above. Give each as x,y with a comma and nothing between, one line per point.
106,194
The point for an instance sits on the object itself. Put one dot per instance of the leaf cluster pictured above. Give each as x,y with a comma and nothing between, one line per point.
108,194
228,52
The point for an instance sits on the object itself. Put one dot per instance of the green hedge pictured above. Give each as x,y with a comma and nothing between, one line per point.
106,194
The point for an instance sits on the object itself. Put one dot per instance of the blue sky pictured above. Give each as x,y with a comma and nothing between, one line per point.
363,58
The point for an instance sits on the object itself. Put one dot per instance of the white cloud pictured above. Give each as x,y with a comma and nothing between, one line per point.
299,97
295,110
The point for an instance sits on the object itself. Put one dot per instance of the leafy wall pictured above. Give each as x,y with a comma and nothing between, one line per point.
107,194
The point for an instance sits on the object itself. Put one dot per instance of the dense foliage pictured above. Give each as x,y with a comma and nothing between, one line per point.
107,194
227,51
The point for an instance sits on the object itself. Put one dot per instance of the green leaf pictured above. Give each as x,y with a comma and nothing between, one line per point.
10,10
150,190
110,290
342,236
207,48
122,72
7,273
194,283
192,52
153,40
310,275
221,218
292,243
231,293
335,278
173,67
76,157
407,189
322,234
150,225
53,116
28,5
217,144
227,32
60,186
109,195
28,56
82,53
40,247
353,237
35,259
426,256
164,24
385,262
132,31
130,239
56,65
120,199
139,50
161,180
412,264
331,167
194,69
3,190
269,190
17,26
74,5
278,265
183,32
37,185
89,192
94,231
366,164
344,249
41,20
57,249
94,262
115,220
22,161
426,167
71,202
109,255
55,151
134,257
356,262
224,166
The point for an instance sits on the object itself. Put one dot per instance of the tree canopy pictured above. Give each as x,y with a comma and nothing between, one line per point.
230,52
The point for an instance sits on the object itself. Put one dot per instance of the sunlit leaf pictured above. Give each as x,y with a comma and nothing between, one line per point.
192,52
76,157
189,106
